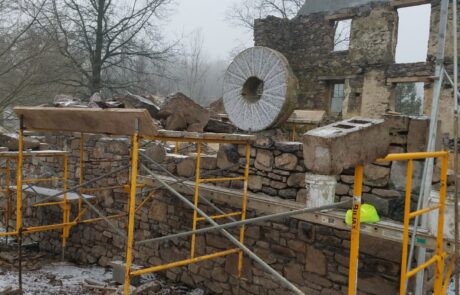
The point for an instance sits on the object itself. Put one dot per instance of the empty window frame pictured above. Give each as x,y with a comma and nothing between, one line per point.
413,34
337,97
409,98
342,34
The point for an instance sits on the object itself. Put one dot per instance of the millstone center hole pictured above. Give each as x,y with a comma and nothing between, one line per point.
252,89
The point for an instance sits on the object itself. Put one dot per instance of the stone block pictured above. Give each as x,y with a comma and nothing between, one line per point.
156,151
296,180
293,273
288,146
384,193
341,189
255,182
158,211
331,149
399,172
375,175
301,196
286,161
381,205
231,266
417,138
289,193
228,157
242,151
207,162
187,167
377,285
264,160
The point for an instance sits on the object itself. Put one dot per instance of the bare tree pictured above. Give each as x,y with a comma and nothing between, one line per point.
245,12
22,50
195,67
102,37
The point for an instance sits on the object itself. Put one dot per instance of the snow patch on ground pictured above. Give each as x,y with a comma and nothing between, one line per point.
56,278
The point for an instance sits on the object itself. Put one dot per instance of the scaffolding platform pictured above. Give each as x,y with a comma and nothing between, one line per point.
57,195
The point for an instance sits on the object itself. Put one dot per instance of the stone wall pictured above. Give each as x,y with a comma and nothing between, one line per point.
314,257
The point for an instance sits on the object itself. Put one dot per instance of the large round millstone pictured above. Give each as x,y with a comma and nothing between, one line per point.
260,89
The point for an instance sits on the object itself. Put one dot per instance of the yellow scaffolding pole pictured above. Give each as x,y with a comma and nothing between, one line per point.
183,262
82,169
195,198
132,207
244,203
439,257
355,231
19,179
66,207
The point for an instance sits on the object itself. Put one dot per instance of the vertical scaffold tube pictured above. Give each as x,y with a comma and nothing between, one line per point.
355,231
244,206
403,281
82,171
19,177
439,272
196,197
132,206
65,206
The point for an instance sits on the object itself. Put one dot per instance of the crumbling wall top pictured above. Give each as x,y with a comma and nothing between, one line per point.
314,6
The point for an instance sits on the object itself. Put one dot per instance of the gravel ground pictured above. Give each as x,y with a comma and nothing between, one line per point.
45,274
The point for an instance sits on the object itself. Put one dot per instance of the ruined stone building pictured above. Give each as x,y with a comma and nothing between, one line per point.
343,53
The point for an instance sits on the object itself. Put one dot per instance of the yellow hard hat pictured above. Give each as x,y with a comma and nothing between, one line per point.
368,214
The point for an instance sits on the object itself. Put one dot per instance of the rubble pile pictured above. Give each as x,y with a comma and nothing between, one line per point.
176,112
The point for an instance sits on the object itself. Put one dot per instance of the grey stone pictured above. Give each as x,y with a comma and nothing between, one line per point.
187,167
382,205
264,160
156,151
10,140
296,180
218,126
376,175
255,182
289,193
384,193
399,173
316,261
286,161
136,101
180,106
288,146
228,157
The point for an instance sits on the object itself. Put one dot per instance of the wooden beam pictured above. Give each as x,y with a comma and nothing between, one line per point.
103,121
336,78
408,3
425,79
340,16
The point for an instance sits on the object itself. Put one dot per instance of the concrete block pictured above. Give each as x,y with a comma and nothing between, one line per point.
331,149
320,190
118,273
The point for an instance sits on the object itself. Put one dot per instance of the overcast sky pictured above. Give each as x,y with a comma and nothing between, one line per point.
220,37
